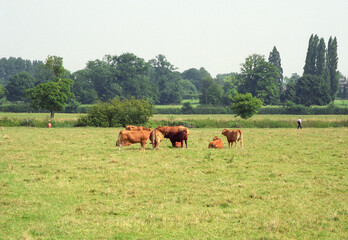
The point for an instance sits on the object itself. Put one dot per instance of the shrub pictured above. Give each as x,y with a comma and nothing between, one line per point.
245,105
116,113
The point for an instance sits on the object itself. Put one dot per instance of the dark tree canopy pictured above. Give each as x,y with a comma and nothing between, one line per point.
18,85
12,66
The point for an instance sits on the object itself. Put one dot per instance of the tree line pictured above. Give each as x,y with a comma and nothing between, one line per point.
157,80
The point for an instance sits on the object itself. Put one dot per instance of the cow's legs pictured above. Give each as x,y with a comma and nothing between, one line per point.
186,142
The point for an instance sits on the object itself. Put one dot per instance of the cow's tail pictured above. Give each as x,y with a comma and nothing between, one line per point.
154,143
240,138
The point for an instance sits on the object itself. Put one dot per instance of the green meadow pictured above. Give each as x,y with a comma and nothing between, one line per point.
74,183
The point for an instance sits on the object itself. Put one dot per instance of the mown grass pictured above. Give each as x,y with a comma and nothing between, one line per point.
73,183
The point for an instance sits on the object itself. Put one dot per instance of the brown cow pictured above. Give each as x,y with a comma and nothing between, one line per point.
156,138
179,136
216,143
233,136
137,128
132,137
167,129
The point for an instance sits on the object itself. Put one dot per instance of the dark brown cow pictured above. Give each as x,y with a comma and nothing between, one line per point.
132,137
179,136
233,136
137,128
216,143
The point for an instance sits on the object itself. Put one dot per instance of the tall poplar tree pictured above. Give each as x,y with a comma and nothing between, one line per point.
332,61
274,59
311,57
316,73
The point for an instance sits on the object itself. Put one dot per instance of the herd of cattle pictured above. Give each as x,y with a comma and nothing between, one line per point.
176,134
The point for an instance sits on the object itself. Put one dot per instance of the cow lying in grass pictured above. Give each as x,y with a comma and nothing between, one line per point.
216,143
179,136
233,136
126,136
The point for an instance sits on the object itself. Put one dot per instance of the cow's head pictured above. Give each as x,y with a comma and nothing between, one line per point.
224,132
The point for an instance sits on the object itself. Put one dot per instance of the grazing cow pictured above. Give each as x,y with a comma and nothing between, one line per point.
233,136
156,138
132,137
137,128
179,136
216,143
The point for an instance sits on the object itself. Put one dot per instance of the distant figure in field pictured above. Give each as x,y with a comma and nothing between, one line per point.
299,121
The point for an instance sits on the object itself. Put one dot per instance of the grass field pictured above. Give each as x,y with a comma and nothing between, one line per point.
73,183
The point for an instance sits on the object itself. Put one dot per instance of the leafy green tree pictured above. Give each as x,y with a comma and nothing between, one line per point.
52,96
289,89
103,77
11,66
83,89
165,80
274,59
196,76
211,92
230,86
260,78
55,94
55,64
318,62
187,89
132,75
320,68
245,105
312,90
332,61
311,57
17,86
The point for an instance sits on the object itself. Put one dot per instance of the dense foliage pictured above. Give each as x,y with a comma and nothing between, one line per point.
157,80
116,112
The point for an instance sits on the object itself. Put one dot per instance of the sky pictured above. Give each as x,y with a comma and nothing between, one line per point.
215,34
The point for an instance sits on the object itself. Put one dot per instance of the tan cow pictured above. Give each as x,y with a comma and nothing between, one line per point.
156,137
137,128
167,129
132,137
233,136
216,143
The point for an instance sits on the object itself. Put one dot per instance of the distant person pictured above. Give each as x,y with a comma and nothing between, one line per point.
299,121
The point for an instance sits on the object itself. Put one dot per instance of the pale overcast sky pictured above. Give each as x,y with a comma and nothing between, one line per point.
215,34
